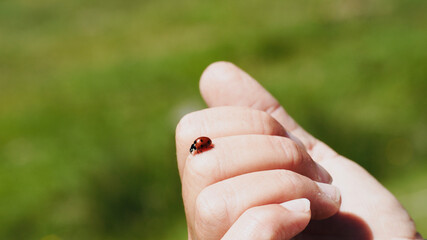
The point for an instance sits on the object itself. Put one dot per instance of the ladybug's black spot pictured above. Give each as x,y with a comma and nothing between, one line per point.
192,148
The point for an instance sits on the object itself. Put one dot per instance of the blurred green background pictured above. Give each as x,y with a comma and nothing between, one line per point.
91,92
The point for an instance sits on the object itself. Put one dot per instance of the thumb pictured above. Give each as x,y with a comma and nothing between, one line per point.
224,84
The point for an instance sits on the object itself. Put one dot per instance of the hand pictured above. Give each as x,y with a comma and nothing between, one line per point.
236,188
252,169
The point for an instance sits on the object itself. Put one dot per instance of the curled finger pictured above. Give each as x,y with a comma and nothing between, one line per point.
274,221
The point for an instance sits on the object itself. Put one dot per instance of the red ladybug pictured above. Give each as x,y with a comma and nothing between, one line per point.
200,144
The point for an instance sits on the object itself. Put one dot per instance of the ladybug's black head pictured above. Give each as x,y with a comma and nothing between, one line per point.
192,148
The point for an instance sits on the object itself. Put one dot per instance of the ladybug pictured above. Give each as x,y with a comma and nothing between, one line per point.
200,144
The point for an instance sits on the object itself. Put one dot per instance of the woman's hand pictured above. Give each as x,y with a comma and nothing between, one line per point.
241,181
254,183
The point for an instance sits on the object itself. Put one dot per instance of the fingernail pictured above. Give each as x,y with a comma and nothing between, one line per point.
323,176
330,192
297,205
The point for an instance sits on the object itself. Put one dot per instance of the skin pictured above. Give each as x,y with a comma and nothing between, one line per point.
267,178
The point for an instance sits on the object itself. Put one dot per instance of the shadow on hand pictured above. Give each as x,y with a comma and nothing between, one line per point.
340,226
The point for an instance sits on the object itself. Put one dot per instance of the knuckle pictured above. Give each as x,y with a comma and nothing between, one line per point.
274,127
292,182
291,151
211,209
266,124
259,121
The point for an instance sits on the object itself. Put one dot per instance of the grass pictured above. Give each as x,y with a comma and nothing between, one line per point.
91,91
